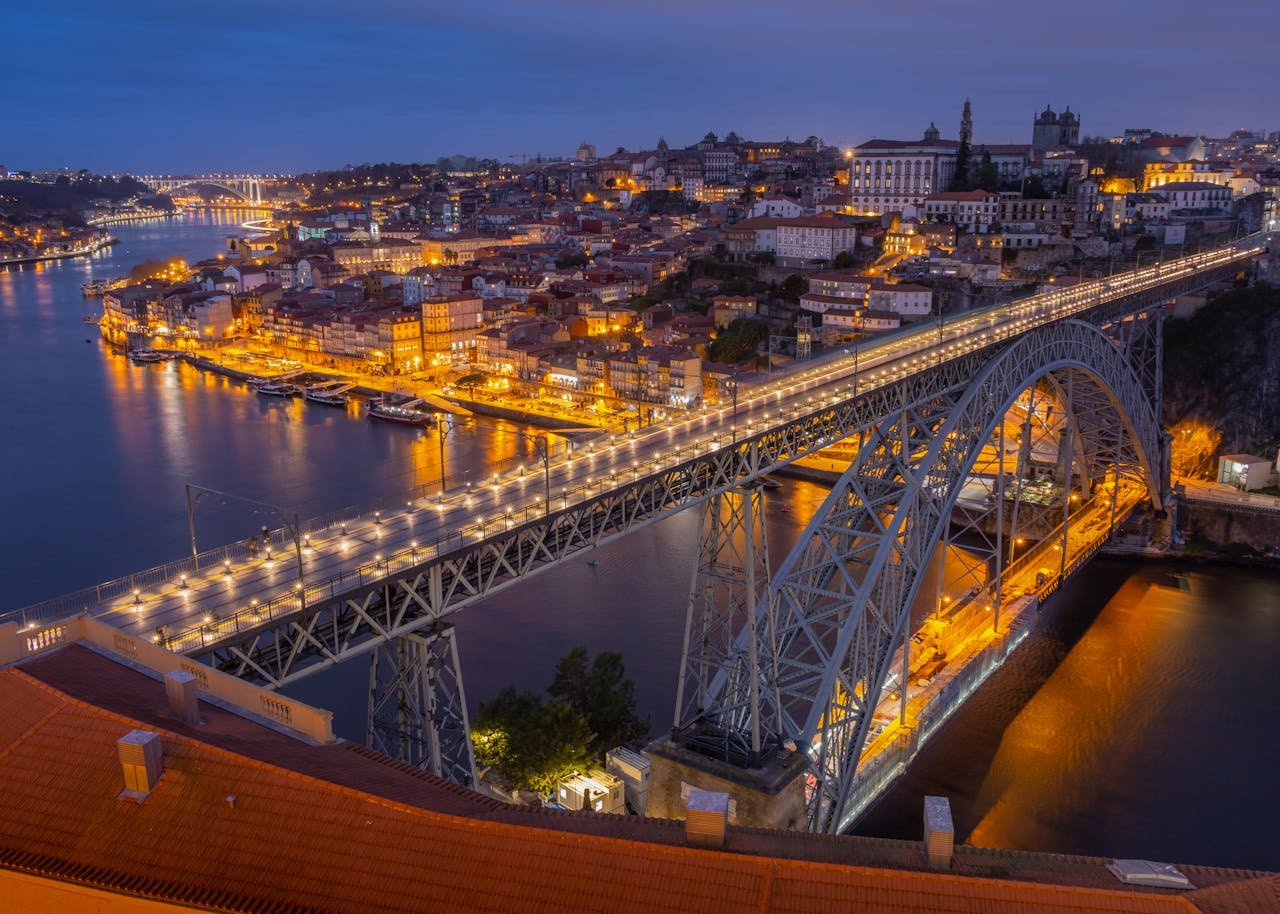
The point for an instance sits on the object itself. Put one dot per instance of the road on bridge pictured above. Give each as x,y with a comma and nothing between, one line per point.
219,601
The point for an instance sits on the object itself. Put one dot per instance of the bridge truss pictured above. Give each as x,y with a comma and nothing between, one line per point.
918,429
837,611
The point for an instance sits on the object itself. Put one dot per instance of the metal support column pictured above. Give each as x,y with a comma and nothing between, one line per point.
995,623
1066,456
417,708
726,599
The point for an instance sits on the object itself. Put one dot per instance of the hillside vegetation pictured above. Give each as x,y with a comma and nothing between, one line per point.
1222,369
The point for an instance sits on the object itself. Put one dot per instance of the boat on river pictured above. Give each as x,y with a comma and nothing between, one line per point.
331,393
146,355
404,412
279,389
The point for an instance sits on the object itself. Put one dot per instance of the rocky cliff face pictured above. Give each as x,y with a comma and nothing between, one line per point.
1222,369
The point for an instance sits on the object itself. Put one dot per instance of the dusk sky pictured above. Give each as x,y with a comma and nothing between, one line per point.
183,87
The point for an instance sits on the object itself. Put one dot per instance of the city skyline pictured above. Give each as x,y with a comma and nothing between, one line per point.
154,89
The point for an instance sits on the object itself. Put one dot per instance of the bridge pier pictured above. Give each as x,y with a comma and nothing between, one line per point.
417,707
730,580
717,741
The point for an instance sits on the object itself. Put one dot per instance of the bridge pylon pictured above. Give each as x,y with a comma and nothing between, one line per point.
720,739
729,589
417,707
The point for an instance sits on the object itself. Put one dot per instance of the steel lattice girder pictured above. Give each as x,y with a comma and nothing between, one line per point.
730,583
842,598
417,709
353,621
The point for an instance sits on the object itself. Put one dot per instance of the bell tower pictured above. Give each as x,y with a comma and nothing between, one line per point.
966,125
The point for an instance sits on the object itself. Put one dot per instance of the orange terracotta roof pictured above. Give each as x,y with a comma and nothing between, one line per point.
341,829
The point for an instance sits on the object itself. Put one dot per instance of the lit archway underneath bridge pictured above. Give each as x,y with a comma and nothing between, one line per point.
837,613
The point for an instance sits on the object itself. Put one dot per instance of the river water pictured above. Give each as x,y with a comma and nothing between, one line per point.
1139,720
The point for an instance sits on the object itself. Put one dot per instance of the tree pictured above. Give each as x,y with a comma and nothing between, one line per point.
960,180
1034,189
843,261
739,341
988,174
793,287
532,744
471,381
567,261
602,694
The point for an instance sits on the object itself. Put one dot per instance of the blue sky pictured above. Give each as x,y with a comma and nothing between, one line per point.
188,86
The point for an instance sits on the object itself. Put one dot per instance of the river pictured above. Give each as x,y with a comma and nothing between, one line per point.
1137,721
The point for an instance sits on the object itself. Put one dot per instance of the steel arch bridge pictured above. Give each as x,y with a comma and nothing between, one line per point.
246,187
838,610
802,657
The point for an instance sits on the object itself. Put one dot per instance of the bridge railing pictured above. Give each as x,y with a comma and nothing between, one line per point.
171,573
280,540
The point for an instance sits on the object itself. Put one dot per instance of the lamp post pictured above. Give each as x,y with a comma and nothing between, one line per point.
732,384
291,522
544,452
444,431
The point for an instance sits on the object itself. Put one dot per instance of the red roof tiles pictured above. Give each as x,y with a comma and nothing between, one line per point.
339,828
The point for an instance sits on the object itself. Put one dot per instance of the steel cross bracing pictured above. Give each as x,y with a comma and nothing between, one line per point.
342,618
841,600
331,627
260,623
417,706
730,582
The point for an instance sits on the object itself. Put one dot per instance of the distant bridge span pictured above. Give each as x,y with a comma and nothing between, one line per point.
247,187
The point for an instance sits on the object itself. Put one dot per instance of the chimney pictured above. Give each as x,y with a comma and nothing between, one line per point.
705,815
939,833
180,686
142,759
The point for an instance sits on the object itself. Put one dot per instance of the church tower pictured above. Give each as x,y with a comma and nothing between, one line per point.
966,125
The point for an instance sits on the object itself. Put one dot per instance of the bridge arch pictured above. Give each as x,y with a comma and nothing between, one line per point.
234,191
841,602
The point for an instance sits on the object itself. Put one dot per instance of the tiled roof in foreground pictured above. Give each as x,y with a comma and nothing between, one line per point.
246,818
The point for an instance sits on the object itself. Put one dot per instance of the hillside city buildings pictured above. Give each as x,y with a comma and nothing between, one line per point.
621,275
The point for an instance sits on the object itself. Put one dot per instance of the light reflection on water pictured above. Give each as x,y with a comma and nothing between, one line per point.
1149,731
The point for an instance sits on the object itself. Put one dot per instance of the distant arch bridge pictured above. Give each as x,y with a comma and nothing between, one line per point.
246,187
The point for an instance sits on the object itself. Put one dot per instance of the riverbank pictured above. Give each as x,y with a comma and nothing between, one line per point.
126,218
63,255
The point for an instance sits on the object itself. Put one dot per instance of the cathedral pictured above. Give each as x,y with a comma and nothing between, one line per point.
1049,130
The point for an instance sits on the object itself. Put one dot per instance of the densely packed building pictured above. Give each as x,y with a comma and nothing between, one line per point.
630,274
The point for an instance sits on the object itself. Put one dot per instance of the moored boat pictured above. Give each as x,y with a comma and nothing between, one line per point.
146,355
278,389
406,412
332,393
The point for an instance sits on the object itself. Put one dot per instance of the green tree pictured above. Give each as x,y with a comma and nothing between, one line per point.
739,341
843,261
601,693
532,744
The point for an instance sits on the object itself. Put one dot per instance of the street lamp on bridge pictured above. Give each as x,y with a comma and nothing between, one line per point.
291,523
542,442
